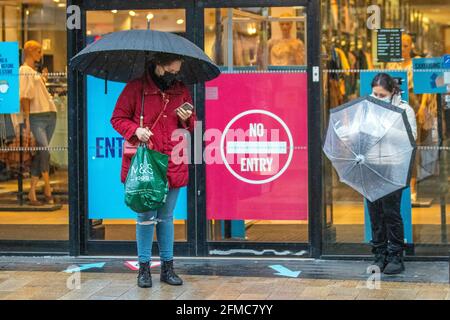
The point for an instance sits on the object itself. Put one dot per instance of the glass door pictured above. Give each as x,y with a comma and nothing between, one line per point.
256,131
111,224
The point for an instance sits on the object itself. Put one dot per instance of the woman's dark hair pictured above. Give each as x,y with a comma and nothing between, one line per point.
386,82
164,59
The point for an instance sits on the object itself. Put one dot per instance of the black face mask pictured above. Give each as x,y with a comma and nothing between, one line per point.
168,78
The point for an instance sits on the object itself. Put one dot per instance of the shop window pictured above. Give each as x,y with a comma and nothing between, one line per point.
20,149
350,62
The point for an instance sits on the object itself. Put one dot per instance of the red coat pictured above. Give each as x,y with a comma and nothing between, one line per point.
125,120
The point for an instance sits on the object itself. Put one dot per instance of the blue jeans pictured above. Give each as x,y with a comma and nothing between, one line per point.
164,230
42,125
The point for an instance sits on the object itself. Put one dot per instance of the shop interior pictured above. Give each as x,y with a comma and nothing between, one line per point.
257,44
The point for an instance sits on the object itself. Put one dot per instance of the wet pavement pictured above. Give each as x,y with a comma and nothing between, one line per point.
211,278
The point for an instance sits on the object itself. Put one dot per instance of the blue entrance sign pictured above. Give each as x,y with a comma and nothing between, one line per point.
105,191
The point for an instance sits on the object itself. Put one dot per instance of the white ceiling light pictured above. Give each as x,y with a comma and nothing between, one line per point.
150,16
132,13
180,21
114,11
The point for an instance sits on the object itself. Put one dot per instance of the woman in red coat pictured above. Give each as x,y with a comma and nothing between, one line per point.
163,94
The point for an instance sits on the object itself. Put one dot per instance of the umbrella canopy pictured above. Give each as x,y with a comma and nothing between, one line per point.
371,146
122,56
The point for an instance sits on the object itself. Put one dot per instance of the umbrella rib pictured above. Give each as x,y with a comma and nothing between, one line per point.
98,60
362,180
384,178
379,139
345,145
95,56
349,169
363,114
133,65
105,64
336,158
388,156
118,63
130,75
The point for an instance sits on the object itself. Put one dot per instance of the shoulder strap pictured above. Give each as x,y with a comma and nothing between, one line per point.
165,101
141,119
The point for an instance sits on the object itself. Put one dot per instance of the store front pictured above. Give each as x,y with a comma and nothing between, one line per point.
284,65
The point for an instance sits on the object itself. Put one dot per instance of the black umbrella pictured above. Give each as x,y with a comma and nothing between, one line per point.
123,56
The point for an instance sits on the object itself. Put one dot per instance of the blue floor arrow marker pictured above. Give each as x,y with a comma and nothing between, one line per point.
283,271
85,267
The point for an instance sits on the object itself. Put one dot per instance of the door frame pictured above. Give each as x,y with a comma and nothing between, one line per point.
315,197
80,244
197,243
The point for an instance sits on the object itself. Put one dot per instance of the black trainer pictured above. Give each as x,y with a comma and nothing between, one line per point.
395,264
380,260
144,276
168,275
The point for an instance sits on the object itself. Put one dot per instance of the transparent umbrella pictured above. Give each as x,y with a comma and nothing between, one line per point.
371,146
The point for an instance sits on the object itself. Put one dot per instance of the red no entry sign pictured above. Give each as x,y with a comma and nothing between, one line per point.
262,143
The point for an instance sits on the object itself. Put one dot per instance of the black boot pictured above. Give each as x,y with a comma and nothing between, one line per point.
168,275
380,259
144,276
395,264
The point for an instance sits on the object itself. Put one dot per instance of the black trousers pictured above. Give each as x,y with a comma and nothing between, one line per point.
387,224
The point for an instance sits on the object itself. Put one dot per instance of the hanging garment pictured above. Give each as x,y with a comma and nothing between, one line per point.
12,158
345,65
334,14
346,16
351,87
369,60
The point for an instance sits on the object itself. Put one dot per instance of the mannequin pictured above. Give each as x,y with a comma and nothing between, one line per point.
287,50
39,118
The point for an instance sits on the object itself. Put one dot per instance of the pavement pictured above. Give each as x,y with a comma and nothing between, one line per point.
114,278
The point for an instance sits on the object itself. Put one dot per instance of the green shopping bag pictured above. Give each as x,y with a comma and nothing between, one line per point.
146,186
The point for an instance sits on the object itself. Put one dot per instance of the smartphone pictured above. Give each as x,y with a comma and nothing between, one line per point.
187,106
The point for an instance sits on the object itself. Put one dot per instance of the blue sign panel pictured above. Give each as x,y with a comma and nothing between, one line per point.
9,77
105,190
428,75
367,77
